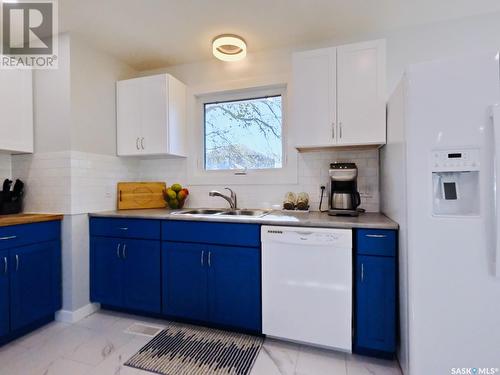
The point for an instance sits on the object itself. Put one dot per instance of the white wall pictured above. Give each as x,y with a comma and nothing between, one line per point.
74,169
93,105
74,166
258,69
404,47
430,42
52,103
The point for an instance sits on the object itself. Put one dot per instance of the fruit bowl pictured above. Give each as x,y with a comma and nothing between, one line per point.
175,196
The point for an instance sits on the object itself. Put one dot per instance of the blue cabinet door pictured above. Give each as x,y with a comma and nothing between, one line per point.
184,270
4,293
32,287
376,303
141,275
234,287
106,271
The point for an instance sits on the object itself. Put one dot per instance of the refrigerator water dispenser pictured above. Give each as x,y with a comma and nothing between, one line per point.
455,181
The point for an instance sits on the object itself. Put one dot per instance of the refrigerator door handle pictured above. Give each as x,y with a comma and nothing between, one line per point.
495,113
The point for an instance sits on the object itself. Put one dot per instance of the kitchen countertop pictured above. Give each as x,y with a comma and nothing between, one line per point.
369,220
16,219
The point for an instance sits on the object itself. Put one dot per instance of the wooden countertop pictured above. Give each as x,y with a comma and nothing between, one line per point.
17,219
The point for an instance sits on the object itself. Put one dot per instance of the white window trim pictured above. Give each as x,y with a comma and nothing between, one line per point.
197,175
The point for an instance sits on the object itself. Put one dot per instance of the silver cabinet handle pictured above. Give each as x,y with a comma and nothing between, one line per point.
210,259
362,272
118,251
5,265
142,143
333,130
202,256
17,262
340,129
376,235
137,143
123,228
7,238
124,254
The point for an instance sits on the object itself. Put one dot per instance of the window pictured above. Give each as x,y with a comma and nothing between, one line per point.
244,134
240,135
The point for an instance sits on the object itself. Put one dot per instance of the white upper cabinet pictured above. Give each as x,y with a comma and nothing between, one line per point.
16,109
339,96
128,117
314,96
151,116
361,93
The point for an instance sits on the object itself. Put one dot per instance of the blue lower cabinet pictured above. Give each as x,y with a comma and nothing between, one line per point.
142,279
31,290
30,277
125,273
235,287
185,280
4,293
375,305
219,285
106,271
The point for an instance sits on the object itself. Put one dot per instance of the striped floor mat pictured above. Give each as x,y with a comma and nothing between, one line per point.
182,349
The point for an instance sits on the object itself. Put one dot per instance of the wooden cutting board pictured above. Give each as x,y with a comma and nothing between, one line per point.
140,195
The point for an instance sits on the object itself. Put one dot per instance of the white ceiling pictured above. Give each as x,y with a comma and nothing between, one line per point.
149,34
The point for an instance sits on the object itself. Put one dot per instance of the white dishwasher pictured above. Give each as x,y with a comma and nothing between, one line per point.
307,285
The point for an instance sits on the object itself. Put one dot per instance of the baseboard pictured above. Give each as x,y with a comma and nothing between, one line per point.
67,316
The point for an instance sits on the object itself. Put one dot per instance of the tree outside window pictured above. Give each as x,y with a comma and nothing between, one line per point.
244,134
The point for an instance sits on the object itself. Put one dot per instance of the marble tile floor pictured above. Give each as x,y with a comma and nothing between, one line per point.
98,345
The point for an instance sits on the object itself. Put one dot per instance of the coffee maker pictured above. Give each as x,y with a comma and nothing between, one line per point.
344,197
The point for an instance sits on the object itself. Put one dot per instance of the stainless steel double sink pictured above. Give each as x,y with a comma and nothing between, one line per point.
222,212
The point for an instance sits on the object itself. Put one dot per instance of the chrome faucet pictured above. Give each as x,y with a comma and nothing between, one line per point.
231,199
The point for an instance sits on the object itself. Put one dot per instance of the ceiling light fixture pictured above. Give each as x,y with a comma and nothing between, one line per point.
229,47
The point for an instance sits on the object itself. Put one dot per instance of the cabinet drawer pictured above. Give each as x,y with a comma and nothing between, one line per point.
212,233
376,242
26,234
125,228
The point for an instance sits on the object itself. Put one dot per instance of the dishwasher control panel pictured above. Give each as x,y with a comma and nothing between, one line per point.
332,236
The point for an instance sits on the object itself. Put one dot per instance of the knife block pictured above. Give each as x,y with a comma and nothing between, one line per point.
9,206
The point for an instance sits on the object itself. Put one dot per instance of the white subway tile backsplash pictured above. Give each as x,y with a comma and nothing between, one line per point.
72,182
5,166
75,182
312,173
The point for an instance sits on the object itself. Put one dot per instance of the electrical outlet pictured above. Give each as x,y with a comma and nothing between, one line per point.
107,192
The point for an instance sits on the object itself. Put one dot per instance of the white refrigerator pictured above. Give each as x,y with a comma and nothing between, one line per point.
438,182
